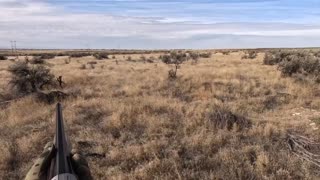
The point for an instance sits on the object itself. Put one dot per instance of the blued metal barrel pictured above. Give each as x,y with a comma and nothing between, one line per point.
61,167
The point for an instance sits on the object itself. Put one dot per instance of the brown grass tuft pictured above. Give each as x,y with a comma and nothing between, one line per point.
223,118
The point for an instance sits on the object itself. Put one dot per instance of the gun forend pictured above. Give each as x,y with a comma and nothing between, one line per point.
61,167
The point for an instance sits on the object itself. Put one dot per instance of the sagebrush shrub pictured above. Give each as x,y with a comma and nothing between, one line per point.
291,63
28,78
101,56
275,57
269,59
222,117
316,53
37,60
225,52
290,66
92,62
79,54
174,58
61,54
2,57
143,58
151,59
51,97
205,55
172,74
165,58
47,56
193,55
250,55
311,65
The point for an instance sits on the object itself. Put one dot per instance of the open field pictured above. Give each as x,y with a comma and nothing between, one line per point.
223,117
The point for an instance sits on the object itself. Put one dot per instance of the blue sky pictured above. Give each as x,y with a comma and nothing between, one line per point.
156,24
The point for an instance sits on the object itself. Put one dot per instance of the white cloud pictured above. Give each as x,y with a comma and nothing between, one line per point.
33,23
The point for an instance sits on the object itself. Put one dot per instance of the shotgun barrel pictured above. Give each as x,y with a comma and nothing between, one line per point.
61,166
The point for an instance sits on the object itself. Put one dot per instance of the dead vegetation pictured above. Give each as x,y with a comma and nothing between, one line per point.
305,148
223,118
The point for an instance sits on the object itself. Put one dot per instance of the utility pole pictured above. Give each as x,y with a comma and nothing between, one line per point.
15,49
11,43
15,46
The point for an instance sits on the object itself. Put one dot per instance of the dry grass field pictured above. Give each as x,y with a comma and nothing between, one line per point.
223,117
